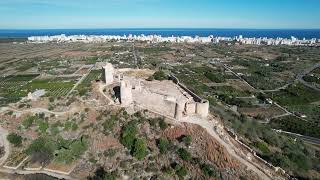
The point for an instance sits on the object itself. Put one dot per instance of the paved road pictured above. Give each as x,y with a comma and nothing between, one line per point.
309,139
279,88
307,71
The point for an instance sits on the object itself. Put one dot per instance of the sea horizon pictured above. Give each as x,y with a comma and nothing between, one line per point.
225,32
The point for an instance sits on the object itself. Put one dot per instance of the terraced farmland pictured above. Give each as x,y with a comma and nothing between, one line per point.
85,84
12,88
92,76
53,87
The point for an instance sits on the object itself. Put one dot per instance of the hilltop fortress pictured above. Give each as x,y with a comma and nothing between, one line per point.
169,97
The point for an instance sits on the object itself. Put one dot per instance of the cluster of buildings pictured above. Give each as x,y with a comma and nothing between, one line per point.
107,38
174,39
293,41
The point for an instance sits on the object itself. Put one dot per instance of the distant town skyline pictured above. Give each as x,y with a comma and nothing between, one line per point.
67,14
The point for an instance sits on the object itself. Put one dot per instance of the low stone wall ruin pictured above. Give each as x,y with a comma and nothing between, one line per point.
201,105
276,169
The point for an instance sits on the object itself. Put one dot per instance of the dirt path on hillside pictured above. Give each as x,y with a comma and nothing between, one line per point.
4,142
39,110
231,149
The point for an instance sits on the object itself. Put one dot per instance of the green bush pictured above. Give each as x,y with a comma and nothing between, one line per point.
181,171
208,170
243,178
67,125
109,124
74,126
14,139
160,76
101,174
42,125
139,149
51,99
42,145
184,154
152,122
28,121
163,125
163,145
128,134
263,147
110,152
70,150
187,140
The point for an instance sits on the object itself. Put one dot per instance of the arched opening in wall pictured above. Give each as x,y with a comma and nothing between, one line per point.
116,91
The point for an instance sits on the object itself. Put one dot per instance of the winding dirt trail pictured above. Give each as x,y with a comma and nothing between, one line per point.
39,110
25,172
231,149
4,142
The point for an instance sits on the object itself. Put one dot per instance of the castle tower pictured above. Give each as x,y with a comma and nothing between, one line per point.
202,108
125,93
108,72
179,109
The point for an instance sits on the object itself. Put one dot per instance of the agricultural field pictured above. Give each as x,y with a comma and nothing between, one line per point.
15,87
14,82
263,74
12,88
54,87
261,112
15,159
85,85
293,124
313,78
300,100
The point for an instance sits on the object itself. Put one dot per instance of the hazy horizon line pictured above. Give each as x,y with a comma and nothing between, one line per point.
155,28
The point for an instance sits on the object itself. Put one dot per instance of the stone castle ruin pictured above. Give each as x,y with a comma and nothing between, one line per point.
169,97
107,73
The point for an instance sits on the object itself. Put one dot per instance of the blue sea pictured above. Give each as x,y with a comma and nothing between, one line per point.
270,33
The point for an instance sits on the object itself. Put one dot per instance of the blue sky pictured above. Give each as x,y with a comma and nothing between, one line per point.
22,14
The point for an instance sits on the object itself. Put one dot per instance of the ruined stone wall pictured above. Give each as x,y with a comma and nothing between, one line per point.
261,160
190,108
194,96
179,110
125,93
108,72
202,108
